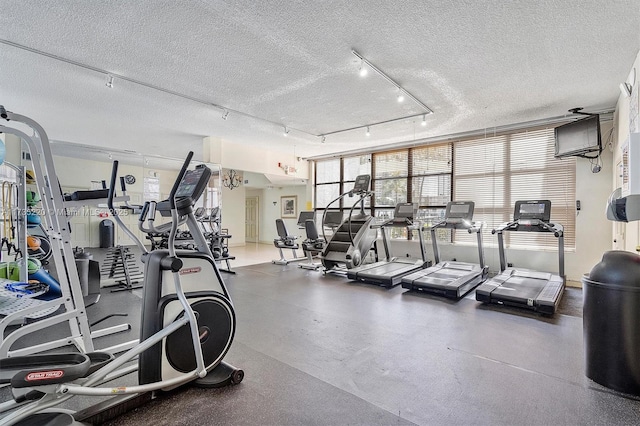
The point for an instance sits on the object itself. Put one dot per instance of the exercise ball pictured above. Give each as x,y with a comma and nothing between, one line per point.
33,265
43,252
33,198
33,219
33,243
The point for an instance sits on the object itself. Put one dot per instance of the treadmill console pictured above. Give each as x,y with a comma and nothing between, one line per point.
532,211
404,213
459,211
361,184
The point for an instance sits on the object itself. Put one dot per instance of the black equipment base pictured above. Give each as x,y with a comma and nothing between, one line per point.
522,288
449,279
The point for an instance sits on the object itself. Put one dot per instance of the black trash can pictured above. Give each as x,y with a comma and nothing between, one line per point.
611,322
82,264
107,233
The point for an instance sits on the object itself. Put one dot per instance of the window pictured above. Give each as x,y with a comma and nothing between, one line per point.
337,176
495,172
431,185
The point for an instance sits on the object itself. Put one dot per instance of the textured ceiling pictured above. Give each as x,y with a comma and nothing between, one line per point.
476,64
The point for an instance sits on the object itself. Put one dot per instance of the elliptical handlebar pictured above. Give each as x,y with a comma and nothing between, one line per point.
112,185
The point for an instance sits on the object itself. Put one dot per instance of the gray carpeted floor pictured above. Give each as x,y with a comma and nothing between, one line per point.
321,350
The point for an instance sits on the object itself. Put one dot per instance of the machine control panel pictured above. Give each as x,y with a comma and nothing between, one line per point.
361,184
532,212
459,212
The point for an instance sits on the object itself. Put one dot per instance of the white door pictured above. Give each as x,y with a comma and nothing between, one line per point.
251,224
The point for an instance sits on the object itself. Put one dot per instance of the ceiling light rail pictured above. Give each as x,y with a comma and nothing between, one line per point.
605,115
382,74
111,75
367,126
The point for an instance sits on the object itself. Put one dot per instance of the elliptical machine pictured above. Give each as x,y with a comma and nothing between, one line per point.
188,323
208,298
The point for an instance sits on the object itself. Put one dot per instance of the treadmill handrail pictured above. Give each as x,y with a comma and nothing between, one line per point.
504,227
475,227
464,224
556,229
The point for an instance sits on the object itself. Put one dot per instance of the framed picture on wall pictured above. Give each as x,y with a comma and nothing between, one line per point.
288,206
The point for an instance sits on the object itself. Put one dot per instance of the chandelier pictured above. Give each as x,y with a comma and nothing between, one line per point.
231,179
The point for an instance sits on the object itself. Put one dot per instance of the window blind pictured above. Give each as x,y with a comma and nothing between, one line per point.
390,171
495,172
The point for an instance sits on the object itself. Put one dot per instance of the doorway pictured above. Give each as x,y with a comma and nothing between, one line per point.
252,223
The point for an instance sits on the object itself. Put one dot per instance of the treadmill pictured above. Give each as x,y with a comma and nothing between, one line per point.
451,279
389,272
537,291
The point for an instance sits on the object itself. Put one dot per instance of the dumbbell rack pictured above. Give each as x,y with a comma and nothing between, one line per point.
121,265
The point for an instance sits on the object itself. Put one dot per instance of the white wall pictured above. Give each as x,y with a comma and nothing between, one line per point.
239,157
270,212
233,213
627,235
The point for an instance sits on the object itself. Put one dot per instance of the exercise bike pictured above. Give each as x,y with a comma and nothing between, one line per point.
188,323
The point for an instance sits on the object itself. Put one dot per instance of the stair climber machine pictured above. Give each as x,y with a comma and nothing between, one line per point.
450,278
352,240
188,324
538,291
389,272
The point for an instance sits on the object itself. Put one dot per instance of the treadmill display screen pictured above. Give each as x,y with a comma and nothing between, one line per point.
404,210
532,209
459,209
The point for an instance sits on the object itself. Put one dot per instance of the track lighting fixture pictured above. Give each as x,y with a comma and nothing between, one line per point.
402,92
225,115
424,120
368,132
286,131
109,83
363,69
